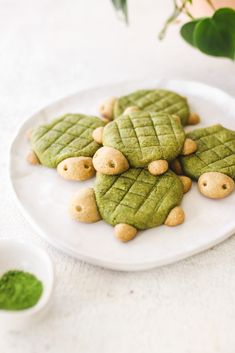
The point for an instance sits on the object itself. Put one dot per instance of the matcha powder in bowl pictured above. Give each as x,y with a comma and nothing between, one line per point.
19,290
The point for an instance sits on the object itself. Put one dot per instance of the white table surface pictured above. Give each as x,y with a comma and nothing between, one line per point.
49,49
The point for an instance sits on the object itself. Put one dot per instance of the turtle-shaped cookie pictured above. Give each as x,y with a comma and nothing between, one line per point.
134,200
213,164
158,100
67,144
140,139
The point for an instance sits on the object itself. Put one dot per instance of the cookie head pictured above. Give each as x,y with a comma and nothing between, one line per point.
83,206
76,168
109,161
215,185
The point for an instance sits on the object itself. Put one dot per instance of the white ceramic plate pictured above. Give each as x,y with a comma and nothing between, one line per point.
44,196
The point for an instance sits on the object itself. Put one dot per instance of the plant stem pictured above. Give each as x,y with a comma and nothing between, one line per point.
211,4
176,12
186,11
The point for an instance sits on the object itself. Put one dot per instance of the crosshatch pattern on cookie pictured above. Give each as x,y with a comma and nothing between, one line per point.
154,101
137,198
216,152
68,136
145,137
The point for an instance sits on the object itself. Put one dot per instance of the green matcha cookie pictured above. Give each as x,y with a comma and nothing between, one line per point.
158,100
141,139
131,201
67,144
214,161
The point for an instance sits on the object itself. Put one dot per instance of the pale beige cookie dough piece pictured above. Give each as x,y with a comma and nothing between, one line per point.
187,183
98,134
175,217
106,108
215,185
189,147
76,168
32,158
125,232
108,160
158,167
83,206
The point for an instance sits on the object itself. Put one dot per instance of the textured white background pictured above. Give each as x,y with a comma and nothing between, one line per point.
49,49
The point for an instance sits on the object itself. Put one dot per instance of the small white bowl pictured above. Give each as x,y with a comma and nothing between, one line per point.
24,256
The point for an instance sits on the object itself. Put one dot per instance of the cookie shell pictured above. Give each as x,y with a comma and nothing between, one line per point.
215,152
145,137
67,136
158,100
137,198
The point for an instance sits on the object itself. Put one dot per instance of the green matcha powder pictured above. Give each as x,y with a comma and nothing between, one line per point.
19,290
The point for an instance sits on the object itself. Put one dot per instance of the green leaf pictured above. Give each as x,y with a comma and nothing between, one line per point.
187,31
216,36
213,36
121,6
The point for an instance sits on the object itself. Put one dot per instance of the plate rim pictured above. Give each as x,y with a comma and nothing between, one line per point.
62,247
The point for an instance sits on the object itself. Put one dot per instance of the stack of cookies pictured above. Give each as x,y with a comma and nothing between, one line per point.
142,157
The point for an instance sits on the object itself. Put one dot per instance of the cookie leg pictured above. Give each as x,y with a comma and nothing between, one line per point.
106,108
193,119
29,133
125,232
108,160
98,135
131,109
76,168
176,167
175,217
189,147
83,206
32,158
187,183
158,167
215,185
